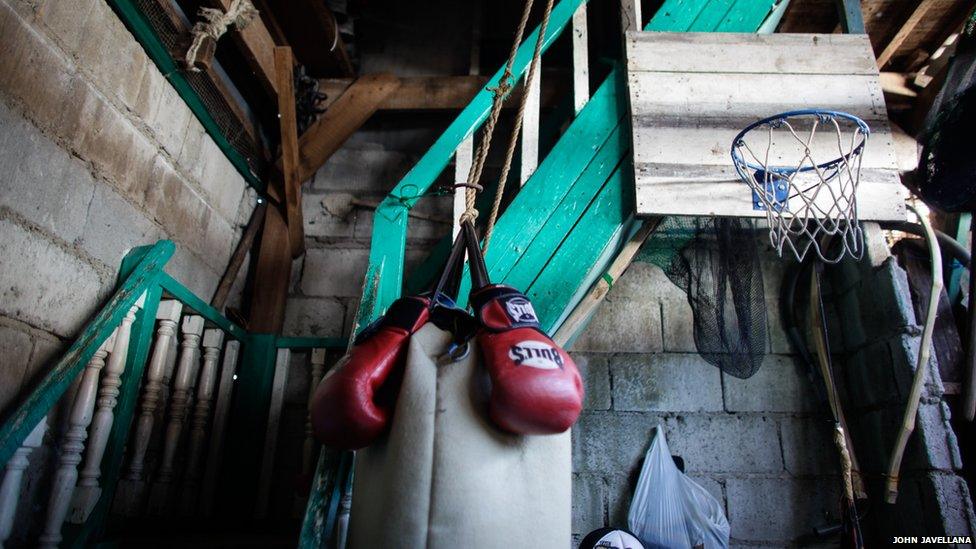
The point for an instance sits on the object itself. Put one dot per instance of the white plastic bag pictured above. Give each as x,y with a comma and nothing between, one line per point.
669,510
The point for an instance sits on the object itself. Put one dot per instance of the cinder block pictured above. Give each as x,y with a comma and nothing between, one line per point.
34,280
596,380
808,446
15,347
417,229
589,501
64,20
170,120
314,317
937,445
868,374
778,386
723,443
628,320
612,442
665,382
886,301
334,272
714,486
949,494
366,171
193,272
620,494
319,222
677,324
779,510
114,226
42,183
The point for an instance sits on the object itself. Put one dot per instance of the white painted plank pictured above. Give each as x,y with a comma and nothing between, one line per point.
690,52
271,435
529,145
712,146
751,96
630,16
687,190
463,157
581,60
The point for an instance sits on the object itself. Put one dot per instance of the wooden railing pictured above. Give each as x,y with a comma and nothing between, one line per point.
146,429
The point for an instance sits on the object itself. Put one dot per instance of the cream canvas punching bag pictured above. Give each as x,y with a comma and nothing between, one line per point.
445,477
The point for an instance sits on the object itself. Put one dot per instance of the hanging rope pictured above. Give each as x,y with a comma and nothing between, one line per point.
215,23
505,85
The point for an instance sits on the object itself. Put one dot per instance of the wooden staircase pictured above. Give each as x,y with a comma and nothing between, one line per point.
560,232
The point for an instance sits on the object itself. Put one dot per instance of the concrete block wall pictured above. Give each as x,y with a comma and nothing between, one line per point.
760,446
876,338
98,154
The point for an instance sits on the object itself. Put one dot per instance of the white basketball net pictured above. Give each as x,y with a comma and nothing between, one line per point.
806,181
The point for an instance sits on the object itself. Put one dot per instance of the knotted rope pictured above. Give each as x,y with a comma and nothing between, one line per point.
500,92
215,23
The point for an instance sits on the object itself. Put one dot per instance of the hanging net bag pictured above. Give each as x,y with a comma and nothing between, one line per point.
804,168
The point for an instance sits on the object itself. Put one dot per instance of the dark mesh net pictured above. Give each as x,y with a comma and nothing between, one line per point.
716,262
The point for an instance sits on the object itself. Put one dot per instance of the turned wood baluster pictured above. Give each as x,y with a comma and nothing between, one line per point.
168,314
186,373
71,448
225,391
308,452
88,490
212,342
13,477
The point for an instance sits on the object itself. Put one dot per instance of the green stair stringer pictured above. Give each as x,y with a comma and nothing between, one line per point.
567,223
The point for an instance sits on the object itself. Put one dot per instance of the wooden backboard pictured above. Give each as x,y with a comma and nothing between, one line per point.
691,94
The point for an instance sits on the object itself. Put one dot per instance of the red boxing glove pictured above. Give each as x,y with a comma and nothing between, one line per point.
536,388
354,401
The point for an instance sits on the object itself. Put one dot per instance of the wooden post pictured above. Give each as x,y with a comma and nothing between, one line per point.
272,273
851,18
240,253
288,124
224,393
530,127
72,446
88,490
271,434
630,15
213,340
462,165
581,60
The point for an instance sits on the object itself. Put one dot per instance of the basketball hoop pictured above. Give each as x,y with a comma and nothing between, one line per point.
808,202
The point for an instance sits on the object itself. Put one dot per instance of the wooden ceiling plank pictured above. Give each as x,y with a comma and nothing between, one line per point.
288,122
419,93
903,33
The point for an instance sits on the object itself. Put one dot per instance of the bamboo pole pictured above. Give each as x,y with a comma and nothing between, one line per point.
911,411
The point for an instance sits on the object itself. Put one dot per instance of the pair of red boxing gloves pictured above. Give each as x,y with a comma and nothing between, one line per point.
535,386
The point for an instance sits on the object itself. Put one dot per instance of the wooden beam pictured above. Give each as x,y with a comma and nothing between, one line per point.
256,44
244,245
347,114
906,29
272,273
420,93
851,18
288,123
